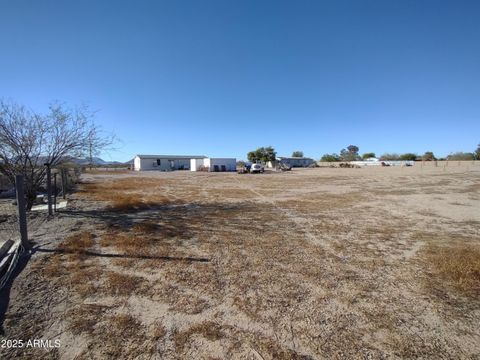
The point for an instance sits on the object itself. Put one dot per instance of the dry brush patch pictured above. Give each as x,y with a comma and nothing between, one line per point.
122,284
209,330
78,242
126,195
85,317
456,264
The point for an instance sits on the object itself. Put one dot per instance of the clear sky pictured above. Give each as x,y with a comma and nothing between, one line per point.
221,78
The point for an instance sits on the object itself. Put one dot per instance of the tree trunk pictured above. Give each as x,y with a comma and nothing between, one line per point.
31,196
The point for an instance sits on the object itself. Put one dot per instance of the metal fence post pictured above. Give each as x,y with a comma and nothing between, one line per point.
64,183
55,192
49,189
22,211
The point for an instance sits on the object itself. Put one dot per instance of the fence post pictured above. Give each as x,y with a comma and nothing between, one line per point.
49,189
55,192
64,184
22,211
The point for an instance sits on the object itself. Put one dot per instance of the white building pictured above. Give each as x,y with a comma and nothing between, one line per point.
163,162
213,164
291,161
377,162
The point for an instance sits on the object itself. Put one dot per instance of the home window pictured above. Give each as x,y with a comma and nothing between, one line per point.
158,162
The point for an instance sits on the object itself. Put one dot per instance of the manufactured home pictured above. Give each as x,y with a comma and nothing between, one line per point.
164,162
291,161
213,164
377,162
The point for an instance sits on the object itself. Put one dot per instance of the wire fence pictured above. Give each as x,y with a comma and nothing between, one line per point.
419,164
15,222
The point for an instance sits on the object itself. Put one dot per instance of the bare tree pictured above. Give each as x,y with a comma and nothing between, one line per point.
28,140
98,141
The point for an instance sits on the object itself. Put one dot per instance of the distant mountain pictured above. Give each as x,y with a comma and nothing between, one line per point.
96,161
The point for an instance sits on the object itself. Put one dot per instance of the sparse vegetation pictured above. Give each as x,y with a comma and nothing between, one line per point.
124,195
390,157
263,154
122,284
330,158
408,157
321,264
350,153
368,155
209,330
428,156
458,265
461,156
78,242
125,325
28,140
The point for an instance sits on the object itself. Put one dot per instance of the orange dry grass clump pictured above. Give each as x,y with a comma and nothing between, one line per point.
131,202
125,194
458,264
146,238
122,284
125,324
146,227
78,242
127,242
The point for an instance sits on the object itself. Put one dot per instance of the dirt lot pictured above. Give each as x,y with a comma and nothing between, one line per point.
314,263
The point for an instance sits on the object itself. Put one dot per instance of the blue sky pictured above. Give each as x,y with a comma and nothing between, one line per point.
221,78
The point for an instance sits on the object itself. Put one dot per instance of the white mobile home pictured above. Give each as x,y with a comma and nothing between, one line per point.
291,161
213,164
163,162
377,162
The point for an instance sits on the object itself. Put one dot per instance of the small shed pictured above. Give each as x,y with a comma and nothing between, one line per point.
213,164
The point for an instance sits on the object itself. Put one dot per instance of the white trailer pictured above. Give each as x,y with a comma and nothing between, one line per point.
163,162
213,164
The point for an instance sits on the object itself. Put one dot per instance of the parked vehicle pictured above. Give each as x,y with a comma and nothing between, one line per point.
284,167
257,168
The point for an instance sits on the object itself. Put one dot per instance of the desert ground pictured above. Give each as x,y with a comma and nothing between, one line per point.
310,264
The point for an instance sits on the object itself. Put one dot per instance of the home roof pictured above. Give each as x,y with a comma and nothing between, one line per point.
172,156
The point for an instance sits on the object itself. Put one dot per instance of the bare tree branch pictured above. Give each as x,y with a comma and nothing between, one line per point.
29,139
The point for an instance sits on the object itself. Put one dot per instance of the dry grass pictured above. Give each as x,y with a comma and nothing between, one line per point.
157,331
209,330
146,228
122,284
125,241
125,195
141,240
53,267
107,172
84,318
130,202
78,242
125,325
317,267
458,265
